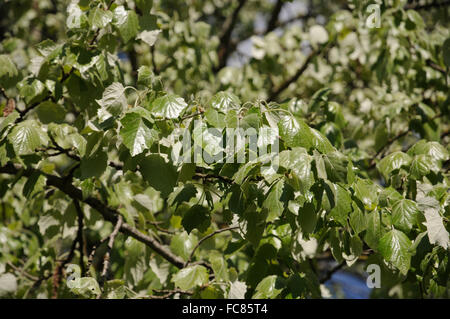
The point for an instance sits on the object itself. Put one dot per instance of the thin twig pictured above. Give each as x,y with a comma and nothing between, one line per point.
168,293
59,269
330,273
205,238
112,237
109,214
272,24
80,235
283,86
22,272
191,115
225,47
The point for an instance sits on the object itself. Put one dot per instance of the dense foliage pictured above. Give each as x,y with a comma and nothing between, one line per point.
97,95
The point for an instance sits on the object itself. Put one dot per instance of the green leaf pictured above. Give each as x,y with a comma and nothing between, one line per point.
421,165
214,118
183,244
8,70
375,229
127,22
320,166
49,112
336,166
168,106
405,214
446,52
74,16
137,133
145,75
367,192
237,202
294,132
149,37
113,101
99,18
86,287
244,172
299,161
343,207
272,201
392,162
196,217
34,184
184,195
220,267
394,247
320,142
136,262
357,220
144,5
433,149
26,136
94,165
269,288
210,140
8,284
159,174
237,290
437,233
32,90
415,18
307,217
68,137
255,223
225,100
191,277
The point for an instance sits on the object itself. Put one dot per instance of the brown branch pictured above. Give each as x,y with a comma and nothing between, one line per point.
80,235
205,238
225,47
331,272
273,21
3,92
168,293
108,213
155,67
163,230
436,67
192,115
393,139
276,92
22,272
59,268
107,256
388,143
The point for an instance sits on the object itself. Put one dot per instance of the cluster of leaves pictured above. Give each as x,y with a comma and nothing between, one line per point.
92,109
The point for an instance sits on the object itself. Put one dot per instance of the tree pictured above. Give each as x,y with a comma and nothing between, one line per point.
118,180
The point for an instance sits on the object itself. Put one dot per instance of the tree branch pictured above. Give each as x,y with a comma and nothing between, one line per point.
272,24
168,293
331,272
107,256
225,47
276,92
80,235
393,139
389,142
60,266
108,213
205,238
